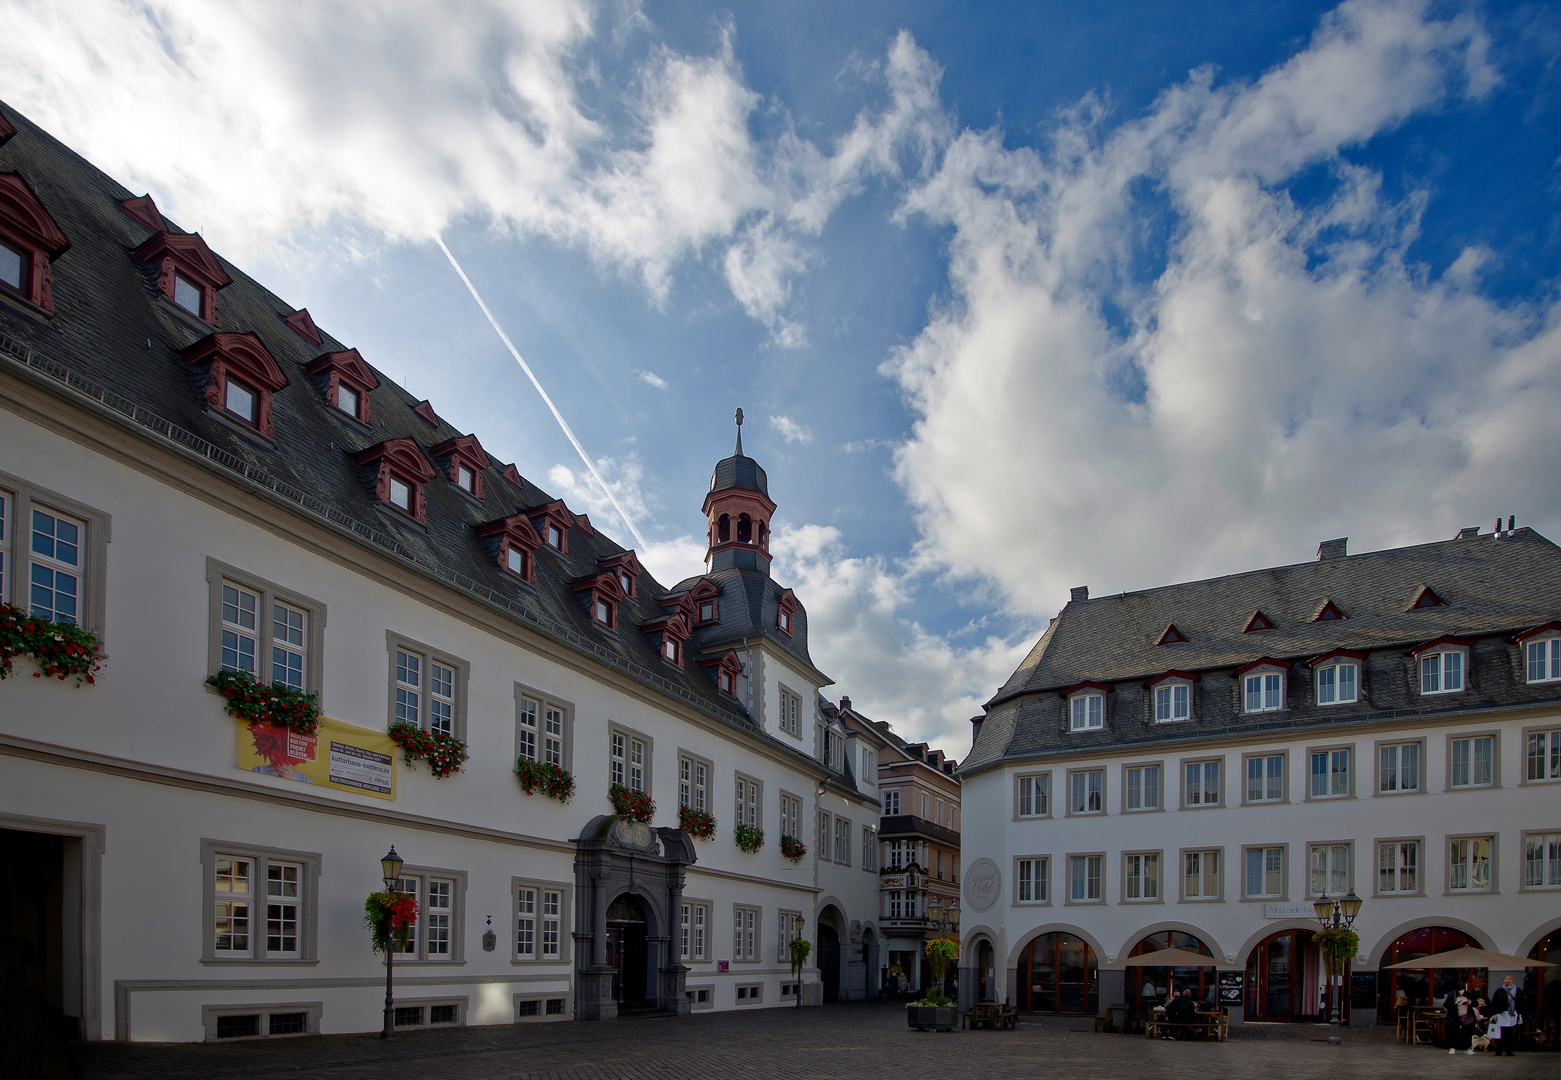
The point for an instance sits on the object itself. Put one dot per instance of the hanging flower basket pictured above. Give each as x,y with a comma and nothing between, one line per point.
386,913
793,848
61,650
697,823
445,754
254,702
748,838
631,805
549,779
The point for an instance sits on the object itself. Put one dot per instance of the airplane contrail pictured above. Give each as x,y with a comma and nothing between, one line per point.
568,433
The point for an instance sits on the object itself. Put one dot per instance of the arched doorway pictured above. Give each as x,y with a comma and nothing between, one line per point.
870,963
626,948
1145,985
1058,973
1542,986
1285,980
829,962
986,972
1420,987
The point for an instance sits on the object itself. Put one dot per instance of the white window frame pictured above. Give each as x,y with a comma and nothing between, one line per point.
190,291
748,800
19,500
1541,860
307,646
539,929
1434,674
1087,711
629,757
1542,755
842,841
1264,761
1464,862
747,931
694,930
429,701
258,949
1394,858
1329,681
790,712
791,815
1135,777
1032,880
1094,802
1200,858
1263,690
1331,772
1032,796
869,848
1542,658
423,883
1334,860
1142,877
1391,767
544,727
1169,706
1086,877
694,773
1463,761
1269,854
825,835
891,802
786,931
1197,778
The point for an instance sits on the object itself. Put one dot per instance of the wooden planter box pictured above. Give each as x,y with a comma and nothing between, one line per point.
922,1017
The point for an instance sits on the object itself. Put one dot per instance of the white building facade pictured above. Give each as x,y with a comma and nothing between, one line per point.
233,489
1195,765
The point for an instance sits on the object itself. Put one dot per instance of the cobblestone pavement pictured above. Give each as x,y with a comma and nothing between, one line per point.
859,1041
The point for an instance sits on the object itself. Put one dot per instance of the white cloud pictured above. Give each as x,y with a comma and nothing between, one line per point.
790,430
652,379
670,561
581,493
861,633
1287,374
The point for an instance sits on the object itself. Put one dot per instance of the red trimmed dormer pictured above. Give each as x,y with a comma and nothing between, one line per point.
1264,661
348,381
1547,628
426,411
1336,654
553,522
627,567
1087,684
706,596
30,241
464,459
1425,597
241,378
1436,644
1328,612
724,669
145,212
1187,676
668,632
1259,621
583,523
786,612
400,471
513,543
603,595
681,604
1171,636
6,130
512,474
188,273
303,325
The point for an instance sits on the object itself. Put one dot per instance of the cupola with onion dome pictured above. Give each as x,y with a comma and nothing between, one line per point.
739,510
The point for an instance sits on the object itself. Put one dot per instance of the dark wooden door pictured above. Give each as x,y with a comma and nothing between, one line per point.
829,963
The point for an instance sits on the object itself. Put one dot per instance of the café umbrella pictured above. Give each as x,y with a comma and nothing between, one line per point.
1467,957
1169,958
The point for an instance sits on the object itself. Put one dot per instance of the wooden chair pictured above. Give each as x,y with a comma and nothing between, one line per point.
1008,1017
1425,1024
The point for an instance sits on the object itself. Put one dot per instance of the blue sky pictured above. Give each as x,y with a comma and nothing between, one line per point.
1015,296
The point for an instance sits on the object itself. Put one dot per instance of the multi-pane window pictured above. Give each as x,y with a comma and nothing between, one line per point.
1142,876
241,636
869,774
538,922
627,760
1087,711
747,804
1264,692
695,920
790,712
1034,795
240,628
1084,878
1336,684
289,632
1330,773
1543,755
1474,761
1033,875
1141,787
1541,860
5,542
1087,795
438,910
1172,702
408,946
1398,866
824,835
1266,778
283,902
1469,864
745,935
843,841
541,727
869,848
790,815
1265,872
1398,768
900,854
1441,672
426,689
55,576
693,783
787,931
1202,783
1543,659
1201,875
891,802
235,902
896,905
258,905
1328,869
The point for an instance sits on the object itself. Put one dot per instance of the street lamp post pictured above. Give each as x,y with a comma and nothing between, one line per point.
945,920
390,866
1336,915
796,967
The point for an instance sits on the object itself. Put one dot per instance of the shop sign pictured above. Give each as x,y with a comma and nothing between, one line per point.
1289,911
896,881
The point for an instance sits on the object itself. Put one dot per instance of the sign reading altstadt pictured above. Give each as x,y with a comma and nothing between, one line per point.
983,882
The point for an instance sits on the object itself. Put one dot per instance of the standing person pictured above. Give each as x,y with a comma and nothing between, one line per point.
1463,1017
1507,1009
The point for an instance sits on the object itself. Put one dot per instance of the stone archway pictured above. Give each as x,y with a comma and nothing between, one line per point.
831,929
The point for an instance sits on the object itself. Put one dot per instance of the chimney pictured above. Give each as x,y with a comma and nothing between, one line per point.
1468,532
845,702
975,726
1078,592
1332,549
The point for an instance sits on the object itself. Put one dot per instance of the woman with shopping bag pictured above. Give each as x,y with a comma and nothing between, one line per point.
1507,1012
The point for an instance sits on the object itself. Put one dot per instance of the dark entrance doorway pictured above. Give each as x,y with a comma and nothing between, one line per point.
1150,986
986,974
40,990
1058,974
829,962
626,949
1285,979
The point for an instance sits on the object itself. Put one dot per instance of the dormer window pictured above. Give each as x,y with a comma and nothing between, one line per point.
399,473
626,567
29,243
785,622
13,267
348,380
187,294
602,597
727,668
400,493
707,612
1172,697
1263,685
511,542
555,537
1337,683
552,523
1087,712
188,274
669,648
466,460
785,616
1542,653
725,682
668,633
241,377
515,560
606,612
347,401
465,478
1441,672
240,400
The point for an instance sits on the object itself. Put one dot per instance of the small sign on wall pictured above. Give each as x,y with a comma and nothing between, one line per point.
723,966
1230,987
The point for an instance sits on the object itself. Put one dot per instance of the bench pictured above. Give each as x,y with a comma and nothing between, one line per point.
1217,1027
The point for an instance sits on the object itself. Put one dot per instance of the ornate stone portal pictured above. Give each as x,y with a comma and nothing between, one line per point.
628,898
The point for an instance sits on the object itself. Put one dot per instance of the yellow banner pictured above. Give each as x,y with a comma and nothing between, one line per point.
341,756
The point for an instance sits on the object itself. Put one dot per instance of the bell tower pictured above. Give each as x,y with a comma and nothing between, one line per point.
738,510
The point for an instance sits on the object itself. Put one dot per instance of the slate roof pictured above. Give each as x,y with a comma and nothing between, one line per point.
739,471
749,604
1491,589
115,339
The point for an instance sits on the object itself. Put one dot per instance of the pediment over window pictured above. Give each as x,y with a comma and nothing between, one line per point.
602,595
1171,676
554,518
1539,631
1425,597
1442,644
403,454
399,472
512,534
1171,636
29,230
185,256
669,633
347,369
303,324
464,450
627,567
724,669
242,359
786,612
1327,611
1079,688
604,582
144,210
1259,621
1336,655
426,411
1264,662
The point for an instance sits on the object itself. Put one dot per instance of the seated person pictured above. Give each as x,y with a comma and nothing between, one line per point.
1181,1011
